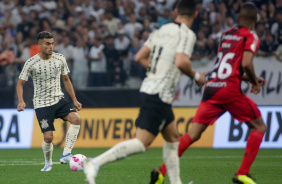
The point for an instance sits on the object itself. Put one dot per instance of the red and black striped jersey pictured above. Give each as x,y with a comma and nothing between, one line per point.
225,79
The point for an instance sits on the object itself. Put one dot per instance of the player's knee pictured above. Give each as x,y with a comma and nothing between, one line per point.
76,120
263,128
195,137
175,137
48,138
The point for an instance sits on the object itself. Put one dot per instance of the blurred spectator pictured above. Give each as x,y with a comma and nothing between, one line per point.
216,34
31,5
97,11
144,37
67,50
114,64
212,13
47,7
278,53
229,23
164,18
80,68
211,48
132,26
111,55
135,69
268,46
200,46
25,25
122,43
6,4
10,19
276,28
111,22
98,65
260,30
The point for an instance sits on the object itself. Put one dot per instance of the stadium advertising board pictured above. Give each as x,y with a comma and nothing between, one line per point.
230,133
188,94
16,128
105,127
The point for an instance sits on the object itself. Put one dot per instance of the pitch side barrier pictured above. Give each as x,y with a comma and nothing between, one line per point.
104,127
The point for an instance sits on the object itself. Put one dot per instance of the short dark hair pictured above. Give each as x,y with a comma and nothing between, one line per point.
44,34
186,7
249,11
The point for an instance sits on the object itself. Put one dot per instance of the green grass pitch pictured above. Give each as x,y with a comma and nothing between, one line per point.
201,165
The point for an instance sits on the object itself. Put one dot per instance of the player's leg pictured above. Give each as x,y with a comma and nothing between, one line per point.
258,129
245,110
71,136
65,110
45,119
206,115
185,142
148,123
47,148
120,151
170,152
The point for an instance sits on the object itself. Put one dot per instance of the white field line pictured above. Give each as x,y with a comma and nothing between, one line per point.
15,162
39,161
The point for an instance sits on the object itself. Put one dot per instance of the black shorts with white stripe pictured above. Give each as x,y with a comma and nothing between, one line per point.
46,115
154,114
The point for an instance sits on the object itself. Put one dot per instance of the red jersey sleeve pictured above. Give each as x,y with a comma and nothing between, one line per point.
252,42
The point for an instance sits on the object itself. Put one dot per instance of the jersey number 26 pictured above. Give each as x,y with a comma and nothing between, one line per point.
224,69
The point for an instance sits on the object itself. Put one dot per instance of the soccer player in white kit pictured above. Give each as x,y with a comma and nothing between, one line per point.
46,69
165,55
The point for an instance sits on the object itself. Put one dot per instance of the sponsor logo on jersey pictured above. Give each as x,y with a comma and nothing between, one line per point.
216,84
231,37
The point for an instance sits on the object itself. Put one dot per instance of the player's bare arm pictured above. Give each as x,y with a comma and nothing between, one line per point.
69,88
142,56
261,81
21,104
247,63
183,62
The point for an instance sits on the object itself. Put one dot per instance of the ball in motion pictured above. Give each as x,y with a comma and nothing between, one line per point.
76,162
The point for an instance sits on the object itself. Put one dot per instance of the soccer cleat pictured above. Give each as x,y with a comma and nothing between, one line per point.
47,167
90,171
156,177
65,159
243,179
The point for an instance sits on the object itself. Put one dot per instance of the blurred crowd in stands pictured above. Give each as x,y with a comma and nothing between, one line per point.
100,38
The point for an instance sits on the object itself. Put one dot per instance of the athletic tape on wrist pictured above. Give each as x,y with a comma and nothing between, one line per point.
197,76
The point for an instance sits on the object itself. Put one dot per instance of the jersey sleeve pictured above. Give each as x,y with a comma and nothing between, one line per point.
65,69
149,41
252,43
186,42
26,70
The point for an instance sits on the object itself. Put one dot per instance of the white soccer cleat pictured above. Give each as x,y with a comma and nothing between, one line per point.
65,159
90,171
47,167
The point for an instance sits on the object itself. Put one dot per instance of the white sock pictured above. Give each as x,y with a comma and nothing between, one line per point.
119,151
171,159
47,152
71,138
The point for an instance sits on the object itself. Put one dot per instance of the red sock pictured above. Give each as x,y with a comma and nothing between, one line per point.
252,148
184,143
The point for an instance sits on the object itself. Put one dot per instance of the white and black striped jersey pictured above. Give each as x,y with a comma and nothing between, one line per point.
164,43
46,78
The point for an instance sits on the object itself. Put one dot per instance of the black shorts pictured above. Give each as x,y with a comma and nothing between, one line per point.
154,114
46,115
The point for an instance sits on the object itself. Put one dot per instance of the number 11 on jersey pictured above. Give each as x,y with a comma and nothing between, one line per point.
154,58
